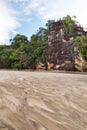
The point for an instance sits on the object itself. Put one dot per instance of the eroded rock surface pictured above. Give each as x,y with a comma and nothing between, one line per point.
60,51
42,101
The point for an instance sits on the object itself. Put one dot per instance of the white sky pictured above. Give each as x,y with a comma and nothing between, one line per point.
11,11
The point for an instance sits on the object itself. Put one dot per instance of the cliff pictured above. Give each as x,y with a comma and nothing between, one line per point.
60,48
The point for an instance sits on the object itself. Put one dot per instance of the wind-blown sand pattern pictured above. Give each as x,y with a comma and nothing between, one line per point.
42,101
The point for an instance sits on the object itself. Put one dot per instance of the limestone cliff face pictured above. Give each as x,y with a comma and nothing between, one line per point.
59,48
59,51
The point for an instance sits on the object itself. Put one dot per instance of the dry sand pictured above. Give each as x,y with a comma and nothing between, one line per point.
42,101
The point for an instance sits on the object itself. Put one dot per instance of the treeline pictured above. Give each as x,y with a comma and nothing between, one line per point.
22,53
26,54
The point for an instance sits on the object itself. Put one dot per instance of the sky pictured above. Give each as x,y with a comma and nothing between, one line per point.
26,16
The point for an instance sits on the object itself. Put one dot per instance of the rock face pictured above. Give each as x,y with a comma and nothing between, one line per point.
80,63
59,49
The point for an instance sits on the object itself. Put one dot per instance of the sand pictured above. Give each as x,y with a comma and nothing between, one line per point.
42,101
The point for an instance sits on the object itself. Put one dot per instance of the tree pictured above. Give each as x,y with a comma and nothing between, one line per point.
39,42
81,43
4,58
69,26
48,24
19,40
14,59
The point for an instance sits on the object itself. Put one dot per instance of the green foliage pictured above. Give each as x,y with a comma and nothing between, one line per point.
36,49
49,22
18,41
81,43
14,59
5,58
69,26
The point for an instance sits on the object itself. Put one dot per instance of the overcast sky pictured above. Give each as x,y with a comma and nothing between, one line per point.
26,16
